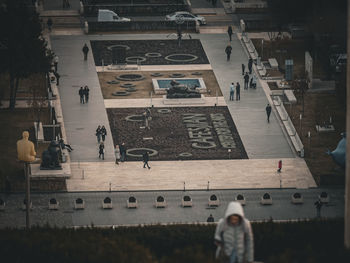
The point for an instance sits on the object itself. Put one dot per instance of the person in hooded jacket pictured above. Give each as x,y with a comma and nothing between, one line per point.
234,237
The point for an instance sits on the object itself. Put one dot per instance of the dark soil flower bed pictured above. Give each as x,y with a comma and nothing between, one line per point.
170,134
139,48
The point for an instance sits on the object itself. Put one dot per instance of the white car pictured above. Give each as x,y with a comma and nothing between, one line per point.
185,16
105,15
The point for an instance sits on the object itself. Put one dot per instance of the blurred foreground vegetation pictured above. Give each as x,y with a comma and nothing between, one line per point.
312,241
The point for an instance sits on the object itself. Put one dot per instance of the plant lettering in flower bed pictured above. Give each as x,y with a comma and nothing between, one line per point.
222,130
199,131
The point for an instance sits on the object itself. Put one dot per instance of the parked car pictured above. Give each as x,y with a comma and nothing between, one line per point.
105,15
186,16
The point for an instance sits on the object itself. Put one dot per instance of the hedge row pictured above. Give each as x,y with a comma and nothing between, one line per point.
313,241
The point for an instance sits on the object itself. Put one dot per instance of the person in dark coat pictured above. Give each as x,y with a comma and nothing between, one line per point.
268,111
85,51
246,80
103,133
243,69
210,218
229,32
49,24
98,133
86,93
122,149
250,65
238,91
101,151
318,204
145,159
81,94
228,51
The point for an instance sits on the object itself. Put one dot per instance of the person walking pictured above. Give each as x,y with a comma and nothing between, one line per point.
86,93
246,80
117,154
49,24
254,82
122,149
55,62
268,112
250,65
210,218
228,51
234,237
98,134
145,159
101,151
81,94
318,204
238,91
279,166
85,51
230,32
232,91
243,69
103,133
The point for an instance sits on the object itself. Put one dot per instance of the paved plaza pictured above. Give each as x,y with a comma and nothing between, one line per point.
94,179
261,140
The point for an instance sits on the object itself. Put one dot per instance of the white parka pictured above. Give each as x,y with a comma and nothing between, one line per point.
238,238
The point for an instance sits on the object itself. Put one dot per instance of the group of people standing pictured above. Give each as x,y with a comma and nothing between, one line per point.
84,94
120,153
234,88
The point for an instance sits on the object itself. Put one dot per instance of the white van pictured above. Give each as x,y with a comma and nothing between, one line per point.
105,15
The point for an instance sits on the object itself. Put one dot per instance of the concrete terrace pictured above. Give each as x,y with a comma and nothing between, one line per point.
265,143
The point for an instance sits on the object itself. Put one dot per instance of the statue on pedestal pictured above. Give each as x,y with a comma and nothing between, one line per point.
178,90
25,149
50,157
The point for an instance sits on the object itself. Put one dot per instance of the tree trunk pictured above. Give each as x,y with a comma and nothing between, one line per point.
14,83
12,92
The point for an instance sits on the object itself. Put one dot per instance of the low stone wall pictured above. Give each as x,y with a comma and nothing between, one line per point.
138,26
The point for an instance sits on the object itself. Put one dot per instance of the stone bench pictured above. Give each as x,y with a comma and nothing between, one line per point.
290,96
282,112
273,63
289,127
298,145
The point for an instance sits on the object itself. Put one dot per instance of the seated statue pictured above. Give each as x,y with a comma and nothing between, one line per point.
50,157
178,90
25,148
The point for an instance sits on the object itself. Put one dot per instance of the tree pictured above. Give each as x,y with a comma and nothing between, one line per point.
26,49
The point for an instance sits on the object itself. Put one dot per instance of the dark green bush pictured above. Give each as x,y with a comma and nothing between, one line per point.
311,241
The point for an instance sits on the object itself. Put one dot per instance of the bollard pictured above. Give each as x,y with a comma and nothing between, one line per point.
208,186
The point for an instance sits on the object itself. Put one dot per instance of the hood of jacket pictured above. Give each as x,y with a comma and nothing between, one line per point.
234,208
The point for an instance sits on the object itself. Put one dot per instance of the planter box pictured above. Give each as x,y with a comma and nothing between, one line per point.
107,204
79,205
297,200
53,204
241,201
213,201
131,203
186,201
